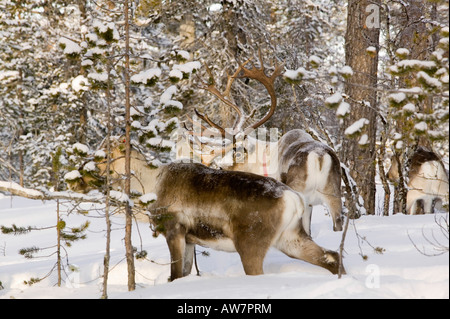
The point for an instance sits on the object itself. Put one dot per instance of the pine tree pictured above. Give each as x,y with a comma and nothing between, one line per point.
65,236
37,99
114,69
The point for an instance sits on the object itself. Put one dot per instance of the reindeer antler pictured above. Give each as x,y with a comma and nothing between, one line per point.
254,73
259,75
225,97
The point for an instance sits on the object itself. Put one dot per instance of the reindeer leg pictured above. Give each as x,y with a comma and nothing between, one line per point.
299,245
427,206
253,264
335,206
437,205
306,218
331,197
411,202
252,254
176,240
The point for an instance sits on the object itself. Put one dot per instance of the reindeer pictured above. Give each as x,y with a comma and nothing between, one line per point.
225,210
141,175
428,181
141,170
305,165
231,211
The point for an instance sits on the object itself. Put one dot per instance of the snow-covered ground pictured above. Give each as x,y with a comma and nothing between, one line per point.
394,270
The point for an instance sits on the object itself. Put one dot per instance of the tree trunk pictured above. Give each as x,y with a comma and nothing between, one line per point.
128,211
58,243
107,257
381,171
362,32
400,191
82,130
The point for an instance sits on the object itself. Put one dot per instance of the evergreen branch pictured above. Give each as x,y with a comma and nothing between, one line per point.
28,252
15,230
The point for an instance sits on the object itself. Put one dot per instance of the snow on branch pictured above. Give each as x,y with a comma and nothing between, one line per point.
17,190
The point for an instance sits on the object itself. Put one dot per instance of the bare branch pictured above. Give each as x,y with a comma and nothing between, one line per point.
437,245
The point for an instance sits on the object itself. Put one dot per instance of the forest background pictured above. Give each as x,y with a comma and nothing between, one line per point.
63,62
368,78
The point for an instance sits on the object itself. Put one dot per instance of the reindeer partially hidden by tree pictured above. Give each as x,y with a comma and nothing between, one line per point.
139,167
224,210
305,165
427,181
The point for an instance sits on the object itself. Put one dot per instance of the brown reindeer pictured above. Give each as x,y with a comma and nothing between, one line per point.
305,165
225,210
427,184
231,211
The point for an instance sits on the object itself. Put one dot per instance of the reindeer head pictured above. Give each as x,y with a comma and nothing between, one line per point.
213,142
91,174
85,182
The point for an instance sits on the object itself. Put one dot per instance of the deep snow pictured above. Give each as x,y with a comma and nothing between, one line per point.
400,271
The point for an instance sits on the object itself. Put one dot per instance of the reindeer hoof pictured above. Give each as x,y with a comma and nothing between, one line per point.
338,225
